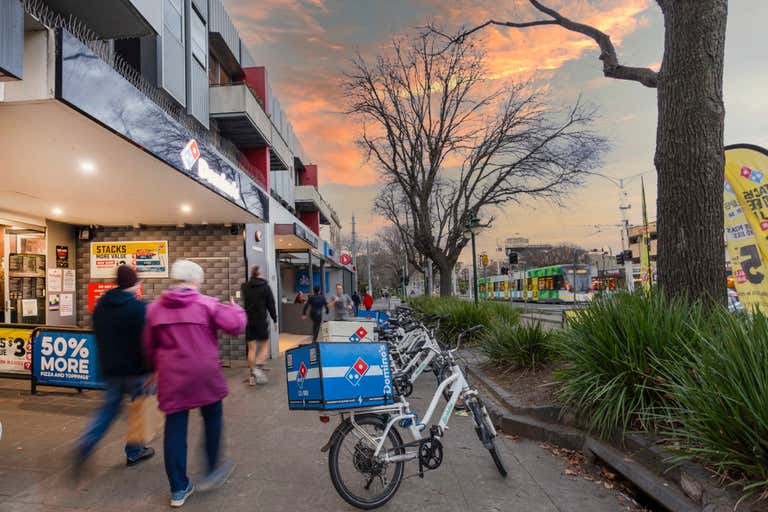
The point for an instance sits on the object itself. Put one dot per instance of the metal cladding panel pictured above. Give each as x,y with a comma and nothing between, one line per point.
220,22
173,67
92,86
199,106
11,39
198,102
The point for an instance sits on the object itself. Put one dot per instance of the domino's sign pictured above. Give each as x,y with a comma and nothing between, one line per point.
66,358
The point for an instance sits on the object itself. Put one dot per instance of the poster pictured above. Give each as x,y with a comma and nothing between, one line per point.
96,290
66,358
62,256
54,300
67,303
150,259
68,281
54,280
15,349
28,307
745,192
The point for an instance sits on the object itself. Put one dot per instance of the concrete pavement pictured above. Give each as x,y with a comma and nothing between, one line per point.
280,466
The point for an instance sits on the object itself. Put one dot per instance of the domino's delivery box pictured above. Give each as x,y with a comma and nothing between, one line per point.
355,330
333,376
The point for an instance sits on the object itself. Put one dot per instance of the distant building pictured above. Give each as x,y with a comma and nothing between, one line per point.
636,238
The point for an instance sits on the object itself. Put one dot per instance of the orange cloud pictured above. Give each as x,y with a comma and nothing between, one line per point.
316,46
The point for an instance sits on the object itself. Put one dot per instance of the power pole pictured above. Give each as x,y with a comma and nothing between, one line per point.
368,251
624,207
354,254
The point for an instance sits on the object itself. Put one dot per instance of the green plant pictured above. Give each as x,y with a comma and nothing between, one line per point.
719,388
464,314
517,345
608,377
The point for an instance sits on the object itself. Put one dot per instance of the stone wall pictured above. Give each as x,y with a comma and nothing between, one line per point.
219,251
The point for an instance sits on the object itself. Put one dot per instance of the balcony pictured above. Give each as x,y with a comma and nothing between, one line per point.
242,120
112,19
307,198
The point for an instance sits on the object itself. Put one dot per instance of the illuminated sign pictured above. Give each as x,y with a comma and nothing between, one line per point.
218,180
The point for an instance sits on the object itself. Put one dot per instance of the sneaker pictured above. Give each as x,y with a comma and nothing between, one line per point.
178,498
260,376
217,477
146,453
251,380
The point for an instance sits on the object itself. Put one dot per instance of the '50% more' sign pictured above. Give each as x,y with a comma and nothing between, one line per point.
66,359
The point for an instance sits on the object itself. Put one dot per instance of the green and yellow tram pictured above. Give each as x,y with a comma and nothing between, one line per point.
553,284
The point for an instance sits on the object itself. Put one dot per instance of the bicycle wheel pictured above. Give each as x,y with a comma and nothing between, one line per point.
485,432
441,375
360,479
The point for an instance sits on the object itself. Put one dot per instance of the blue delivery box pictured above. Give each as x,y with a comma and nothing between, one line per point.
333,376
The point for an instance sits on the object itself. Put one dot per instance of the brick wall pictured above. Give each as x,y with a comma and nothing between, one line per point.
225,268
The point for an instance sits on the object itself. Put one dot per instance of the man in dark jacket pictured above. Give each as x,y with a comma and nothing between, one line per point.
316,304
259,301
356,302
118,321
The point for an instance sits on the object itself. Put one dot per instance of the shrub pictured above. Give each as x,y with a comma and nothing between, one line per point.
516,345
608,377
464,314
719,408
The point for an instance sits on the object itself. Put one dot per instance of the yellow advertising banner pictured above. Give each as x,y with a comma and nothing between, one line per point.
150,259
745,209
15,349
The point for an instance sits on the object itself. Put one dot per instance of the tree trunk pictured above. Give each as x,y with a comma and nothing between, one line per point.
446,283
689,150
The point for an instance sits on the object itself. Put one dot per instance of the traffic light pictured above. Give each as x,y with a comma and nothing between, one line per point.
620,259
484,260
513,258
628,255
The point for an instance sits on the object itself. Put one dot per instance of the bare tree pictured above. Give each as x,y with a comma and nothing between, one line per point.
448,147
689,135
556,255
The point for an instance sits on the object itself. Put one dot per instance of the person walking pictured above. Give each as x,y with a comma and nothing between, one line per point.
118,322
356,302
181,344
259,301
368,301
316,303
341,303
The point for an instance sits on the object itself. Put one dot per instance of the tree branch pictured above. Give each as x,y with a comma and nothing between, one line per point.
612,68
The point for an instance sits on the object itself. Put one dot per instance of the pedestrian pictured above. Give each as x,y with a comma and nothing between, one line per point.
259,302
356,302
180,341
368,301
316,303
118,322
341,303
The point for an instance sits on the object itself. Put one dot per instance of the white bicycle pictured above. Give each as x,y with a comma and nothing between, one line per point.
367,455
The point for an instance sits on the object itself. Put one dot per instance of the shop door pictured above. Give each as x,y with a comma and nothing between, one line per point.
217,284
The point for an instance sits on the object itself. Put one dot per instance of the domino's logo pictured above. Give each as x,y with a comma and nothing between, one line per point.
355,374
302,374
358,335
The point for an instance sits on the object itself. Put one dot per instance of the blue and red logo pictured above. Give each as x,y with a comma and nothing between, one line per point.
752,175
302,374
358,335
355,374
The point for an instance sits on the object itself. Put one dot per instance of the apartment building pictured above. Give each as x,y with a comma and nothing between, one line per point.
142,131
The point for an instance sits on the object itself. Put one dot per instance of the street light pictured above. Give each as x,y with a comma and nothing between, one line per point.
471,229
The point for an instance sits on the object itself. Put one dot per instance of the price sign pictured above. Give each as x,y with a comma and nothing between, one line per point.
66,358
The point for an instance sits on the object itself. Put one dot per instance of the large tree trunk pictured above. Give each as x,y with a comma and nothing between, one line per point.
446,281
689,150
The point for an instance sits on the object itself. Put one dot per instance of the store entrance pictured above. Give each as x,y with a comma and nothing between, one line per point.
22,275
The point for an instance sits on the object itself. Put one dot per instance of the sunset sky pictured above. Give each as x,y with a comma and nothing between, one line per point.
307,44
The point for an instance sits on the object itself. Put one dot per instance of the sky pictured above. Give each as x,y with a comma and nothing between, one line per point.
306,45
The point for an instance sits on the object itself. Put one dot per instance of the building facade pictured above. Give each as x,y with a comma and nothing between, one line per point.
143,132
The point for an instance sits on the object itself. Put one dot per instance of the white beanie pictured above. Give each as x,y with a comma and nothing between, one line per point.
186,271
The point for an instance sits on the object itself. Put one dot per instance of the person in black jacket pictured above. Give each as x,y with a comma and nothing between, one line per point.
118,322
259,301
315,304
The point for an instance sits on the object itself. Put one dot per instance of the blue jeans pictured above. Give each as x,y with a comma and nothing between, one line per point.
175,443
117,387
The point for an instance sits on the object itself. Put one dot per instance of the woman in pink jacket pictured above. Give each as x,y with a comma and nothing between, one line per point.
181,344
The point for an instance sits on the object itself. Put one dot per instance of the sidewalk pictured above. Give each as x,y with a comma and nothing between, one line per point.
280,466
